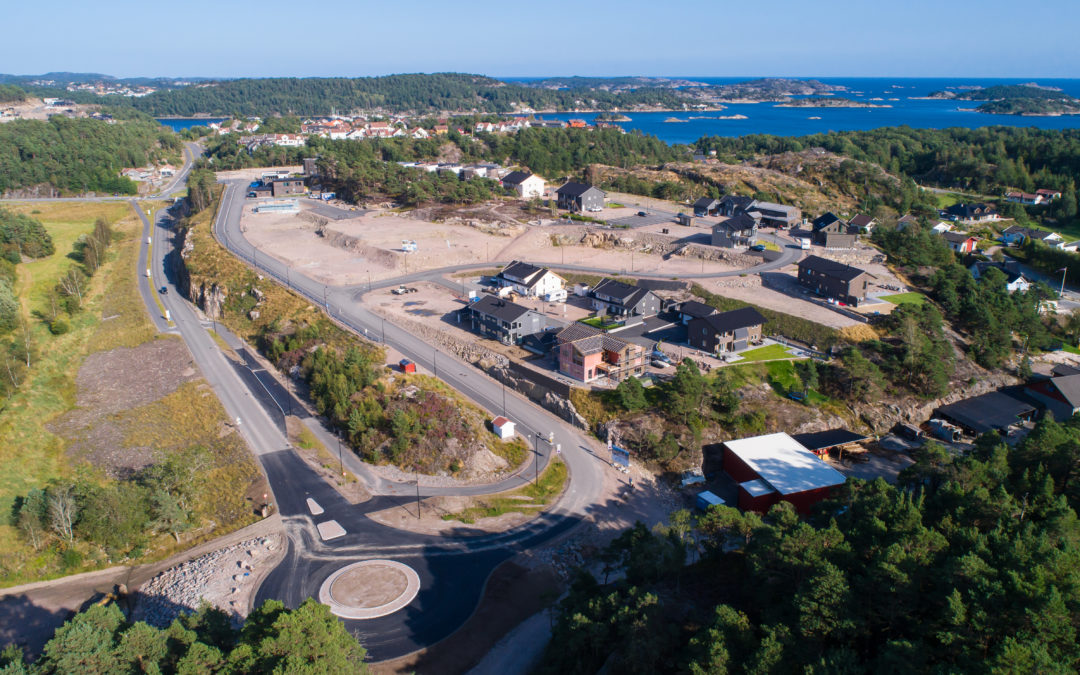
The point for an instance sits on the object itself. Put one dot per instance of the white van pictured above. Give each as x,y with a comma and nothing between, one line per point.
556,296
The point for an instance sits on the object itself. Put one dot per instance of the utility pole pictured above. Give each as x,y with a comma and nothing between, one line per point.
418,495
341,461
504,398
435,360
536,459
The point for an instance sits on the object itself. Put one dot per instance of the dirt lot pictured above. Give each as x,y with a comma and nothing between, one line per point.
369,246
750,289
110,383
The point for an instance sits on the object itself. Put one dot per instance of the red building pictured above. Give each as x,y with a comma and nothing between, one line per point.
776,467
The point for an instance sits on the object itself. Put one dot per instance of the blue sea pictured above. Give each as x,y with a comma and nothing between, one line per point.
903,94
181,123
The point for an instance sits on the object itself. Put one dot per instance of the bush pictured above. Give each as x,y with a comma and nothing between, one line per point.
59,326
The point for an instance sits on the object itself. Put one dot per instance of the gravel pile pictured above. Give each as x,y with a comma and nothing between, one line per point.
223,578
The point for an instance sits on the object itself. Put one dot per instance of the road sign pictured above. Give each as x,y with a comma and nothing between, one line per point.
620,456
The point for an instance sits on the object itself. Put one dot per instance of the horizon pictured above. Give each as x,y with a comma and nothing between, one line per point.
922,38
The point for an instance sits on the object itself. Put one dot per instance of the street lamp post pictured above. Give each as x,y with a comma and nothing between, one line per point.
341,460
418,495
536,459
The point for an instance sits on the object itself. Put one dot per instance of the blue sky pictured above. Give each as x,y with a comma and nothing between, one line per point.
915,38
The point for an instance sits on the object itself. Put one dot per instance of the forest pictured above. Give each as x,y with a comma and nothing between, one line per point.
449,92
986,160
9,93
79,155
273,639
968,565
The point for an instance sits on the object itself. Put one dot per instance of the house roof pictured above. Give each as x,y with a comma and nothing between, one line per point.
575,189
588,340
784,463
831,268
966,211
757,488
823,440
740,222
500,421
529,274
696,309
706,203
737,201
1069,387
861,220
987,412
728,322
577,331
1011,268
624,294
956,237
504,310
516,177
826,219
1064,369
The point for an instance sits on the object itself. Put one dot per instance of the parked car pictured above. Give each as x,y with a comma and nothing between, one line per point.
758,247
400,290
657,363
641,213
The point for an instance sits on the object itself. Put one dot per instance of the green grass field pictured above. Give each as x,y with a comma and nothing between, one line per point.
529,499
905,298
768,353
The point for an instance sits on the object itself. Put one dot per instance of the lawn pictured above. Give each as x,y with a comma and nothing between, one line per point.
768,353
529,499
905,298
599,323
1069,348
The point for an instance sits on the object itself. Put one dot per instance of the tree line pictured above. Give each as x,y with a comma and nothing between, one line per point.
9,93
437,92
967,565
273,639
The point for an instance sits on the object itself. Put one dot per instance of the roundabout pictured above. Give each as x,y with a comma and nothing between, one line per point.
369,589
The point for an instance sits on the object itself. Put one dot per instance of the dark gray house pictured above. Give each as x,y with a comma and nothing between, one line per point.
770,214
706,206
834,279
732,204
503,320
832,231
726,331
739,230
618,299
580,197
287,186
692,309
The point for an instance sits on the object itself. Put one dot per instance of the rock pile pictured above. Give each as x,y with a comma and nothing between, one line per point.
223,578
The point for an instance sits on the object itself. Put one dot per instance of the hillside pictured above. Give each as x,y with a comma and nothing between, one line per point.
1017,99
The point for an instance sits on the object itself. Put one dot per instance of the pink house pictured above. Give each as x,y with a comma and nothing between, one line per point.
587,354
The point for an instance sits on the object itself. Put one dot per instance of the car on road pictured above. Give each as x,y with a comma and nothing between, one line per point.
758,247
164,290
642,213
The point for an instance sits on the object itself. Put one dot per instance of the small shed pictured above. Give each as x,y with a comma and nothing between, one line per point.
503,427
407,366
821,442
706,499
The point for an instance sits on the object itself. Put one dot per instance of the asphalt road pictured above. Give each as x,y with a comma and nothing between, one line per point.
453,567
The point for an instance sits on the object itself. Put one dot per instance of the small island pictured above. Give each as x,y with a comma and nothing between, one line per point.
1017,99
828,102
611,117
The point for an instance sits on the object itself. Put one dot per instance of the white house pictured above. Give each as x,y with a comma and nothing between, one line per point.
1014,278
942,227
525,184
1016,234
529,280
419,133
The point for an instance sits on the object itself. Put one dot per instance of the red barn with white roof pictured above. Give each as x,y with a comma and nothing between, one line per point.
776,467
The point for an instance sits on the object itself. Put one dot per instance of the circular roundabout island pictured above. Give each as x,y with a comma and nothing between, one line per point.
369,589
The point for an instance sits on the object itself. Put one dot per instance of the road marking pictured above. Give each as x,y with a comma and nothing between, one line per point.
314,507
331,529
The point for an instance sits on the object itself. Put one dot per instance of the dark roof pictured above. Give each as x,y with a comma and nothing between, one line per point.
523,271
516,177
738,201
957,237
1069,387
738,223
706,203
729,322
663,285
589,340
696,309
625,294
987,412
1062,369
826,219
823,440
575,189
965,211
830,268
1010,268
577,331
504,310
860,220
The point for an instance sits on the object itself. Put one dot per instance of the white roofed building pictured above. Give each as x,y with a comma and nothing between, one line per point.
776,467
